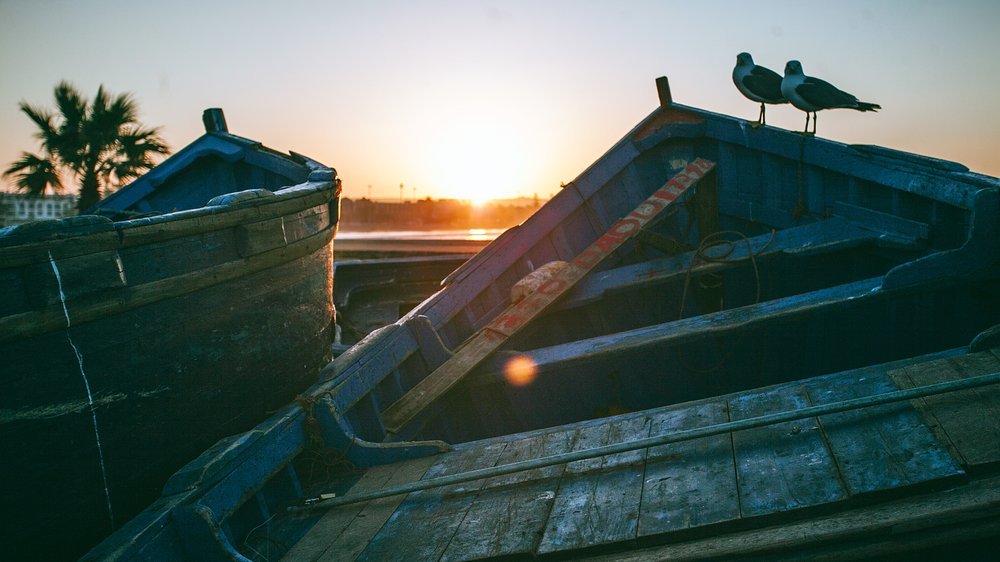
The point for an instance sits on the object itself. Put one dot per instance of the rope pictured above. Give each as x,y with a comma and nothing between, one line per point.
717,240
316,453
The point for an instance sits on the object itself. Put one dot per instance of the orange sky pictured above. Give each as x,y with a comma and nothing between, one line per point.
499,99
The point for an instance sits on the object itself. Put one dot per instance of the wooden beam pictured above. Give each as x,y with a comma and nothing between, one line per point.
516,317
575,354
832,235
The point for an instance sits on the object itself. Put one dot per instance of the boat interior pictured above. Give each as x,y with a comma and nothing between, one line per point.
776,266
791,259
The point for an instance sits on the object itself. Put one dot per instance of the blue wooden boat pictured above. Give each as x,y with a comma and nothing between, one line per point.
716,341
372,293
134,338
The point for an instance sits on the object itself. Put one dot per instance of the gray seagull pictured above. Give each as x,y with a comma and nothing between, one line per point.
812,94
757,83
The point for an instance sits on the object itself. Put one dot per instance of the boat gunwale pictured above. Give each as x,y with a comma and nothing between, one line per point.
132,232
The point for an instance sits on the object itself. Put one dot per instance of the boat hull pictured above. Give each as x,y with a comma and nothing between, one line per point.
130,347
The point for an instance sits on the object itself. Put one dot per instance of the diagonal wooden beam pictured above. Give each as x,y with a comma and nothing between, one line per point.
517,316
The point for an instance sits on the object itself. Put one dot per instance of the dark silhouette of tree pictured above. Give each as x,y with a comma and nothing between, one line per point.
101,143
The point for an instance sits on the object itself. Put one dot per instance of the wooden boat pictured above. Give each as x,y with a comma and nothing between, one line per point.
722,365
372,293
130,346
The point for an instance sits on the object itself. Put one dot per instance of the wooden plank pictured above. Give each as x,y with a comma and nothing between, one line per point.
519,315
827,236
689,329
692,483
374,514
706,206
968,420
882,447
92,307
79,276
424,524
509,514
902,526
343,532
598,499
782,466
196,221
882,222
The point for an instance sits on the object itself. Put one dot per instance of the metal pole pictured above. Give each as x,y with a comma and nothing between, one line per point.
684,435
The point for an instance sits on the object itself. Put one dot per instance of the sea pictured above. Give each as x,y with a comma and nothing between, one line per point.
466,241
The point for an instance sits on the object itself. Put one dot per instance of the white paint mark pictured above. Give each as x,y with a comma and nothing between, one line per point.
86,384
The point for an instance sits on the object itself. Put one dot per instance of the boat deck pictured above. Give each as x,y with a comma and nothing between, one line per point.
907,471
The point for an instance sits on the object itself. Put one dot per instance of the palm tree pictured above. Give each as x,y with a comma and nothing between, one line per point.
101,143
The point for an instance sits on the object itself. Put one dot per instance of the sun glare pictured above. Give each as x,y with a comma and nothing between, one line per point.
520,370
480,162
480,200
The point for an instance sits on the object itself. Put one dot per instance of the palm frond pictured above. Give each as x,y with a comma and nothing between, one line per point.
34,174
137,148
43,119
71,103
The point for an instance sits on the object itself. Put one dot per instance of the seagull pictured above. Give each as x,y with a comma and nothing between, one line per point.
757,84
812,94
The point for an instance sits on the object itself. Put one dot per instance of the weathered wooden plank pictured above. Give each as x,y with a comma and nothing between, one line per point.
343,532
509,514
520,314
424,524
883,222
782,466
89,308
598,499
882,447
29,252
905,525
826,236
374,514
897,173
706,206
253,238
196,221
689,329
692,483
78,277
968,420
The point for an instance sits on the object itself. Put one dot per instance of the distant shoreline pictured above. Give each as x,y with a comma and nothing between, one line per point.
415,241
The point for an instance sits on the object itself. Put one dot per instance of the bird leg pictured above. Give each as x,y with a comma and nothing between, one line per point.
806,130
815,119
760,118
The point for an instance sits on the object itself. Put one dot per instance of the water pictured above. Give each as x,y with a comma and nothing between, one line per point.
471,235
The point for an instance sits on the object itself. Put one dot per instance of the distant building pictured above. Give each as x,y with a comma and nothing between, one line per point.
17,208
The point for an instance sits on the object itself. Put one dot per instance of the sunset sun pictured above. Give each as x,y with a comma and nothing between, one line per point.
482,162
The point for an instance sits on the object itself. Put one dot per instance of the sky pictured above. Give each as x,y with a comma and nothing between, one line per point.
484,99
